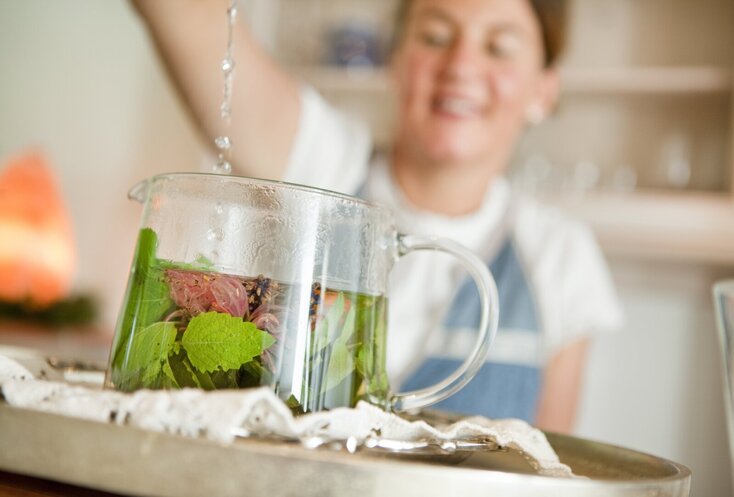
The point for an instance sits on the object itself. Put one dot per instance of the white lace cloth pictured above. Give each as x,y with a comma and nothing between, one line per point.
223,415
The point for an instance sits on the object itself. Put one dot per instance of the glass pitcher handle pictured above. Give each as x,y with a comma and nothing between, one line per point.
487,324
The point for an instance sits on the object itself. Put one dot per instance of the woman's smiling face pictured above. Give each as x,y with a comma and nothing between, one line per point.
467,71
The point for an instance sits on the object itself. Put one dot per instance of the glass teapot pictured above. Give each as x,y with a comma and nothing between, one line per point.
239,282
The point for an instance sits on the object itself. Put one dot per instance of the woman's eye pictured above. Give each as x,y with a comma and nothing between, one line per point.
435,38
503,46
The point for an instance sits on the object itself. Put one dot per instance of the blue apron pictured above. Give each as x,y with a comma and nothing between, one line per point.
508,384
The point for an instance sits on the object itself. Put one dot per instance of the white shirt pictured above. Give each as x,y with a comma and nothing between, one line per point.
566,269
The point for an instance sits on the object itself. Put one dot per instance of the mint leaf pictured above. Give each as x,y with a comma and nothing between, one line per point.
327,328
341,362
169,374
203,379
150,349
182,371
145,251
214,340
365,360
341,365
142,261
224,379
294,405
201,263
255,375
155,299
348,328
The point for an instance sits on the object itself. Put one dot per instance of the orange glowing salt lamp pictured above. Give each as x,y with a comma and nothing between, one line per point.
36,244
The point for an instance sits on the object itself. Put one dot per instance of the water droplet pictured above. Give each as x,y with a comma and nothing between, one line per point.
222,166
215,234
232,12
219,208
227,65
223,142
225,110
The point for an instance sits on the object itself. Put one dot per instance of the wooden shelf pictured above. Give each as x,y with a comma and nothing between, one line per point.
647,80
692,227
622,80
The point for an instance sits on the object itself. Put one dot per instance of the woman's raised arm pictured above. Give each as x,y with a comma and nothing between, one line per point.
191,37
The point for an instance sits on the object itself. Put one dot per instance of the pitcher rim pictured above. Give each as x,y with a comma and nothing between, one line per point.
723,286
260,181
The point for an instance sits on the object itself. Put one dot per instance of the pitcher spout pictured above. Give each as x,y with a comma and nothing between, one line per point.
139,192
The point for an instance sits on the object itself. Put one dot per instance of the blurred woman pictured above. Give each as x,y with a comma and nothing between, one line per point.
470,76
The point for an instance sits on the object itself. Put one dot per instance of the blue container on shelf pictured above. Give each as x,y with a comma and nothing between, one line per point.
353,45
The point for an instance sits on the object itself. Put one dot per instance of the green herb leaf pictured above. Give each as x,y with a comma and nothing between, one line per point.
169,374
146,285
204,380
327,329
182,370
341,362
145,251
223,379
255,375
364,360
216,340
348,327
341,365
155,300
294,405
150,349
201,263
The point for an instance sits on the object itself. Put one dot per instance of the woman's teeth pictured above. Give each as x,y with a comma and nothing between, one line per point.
460,107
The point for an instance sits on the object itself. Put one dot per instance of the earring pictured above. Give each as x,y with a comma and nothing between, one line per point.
534,114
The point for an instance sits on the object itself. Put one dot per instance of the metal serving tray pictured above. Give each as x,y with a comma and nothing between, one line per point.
136,462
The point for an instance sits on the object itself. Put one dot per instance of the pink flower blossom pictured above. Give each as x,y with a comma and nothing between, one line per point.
199,292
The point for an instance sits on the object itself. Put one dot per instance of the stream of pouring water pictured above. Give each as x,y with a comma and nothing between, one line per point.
223,142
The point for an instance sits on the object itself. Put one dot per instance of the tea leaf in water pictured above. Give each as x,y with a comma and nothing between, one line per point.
204,380
294,405
341,365
327,329
150,349
348,328
215,341
182,371
148,294
341,362
365,361
201,263
169,374
155,299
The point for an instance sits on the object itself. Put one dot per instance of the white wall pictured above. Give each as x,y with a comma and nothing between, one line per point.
656,386
78,80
